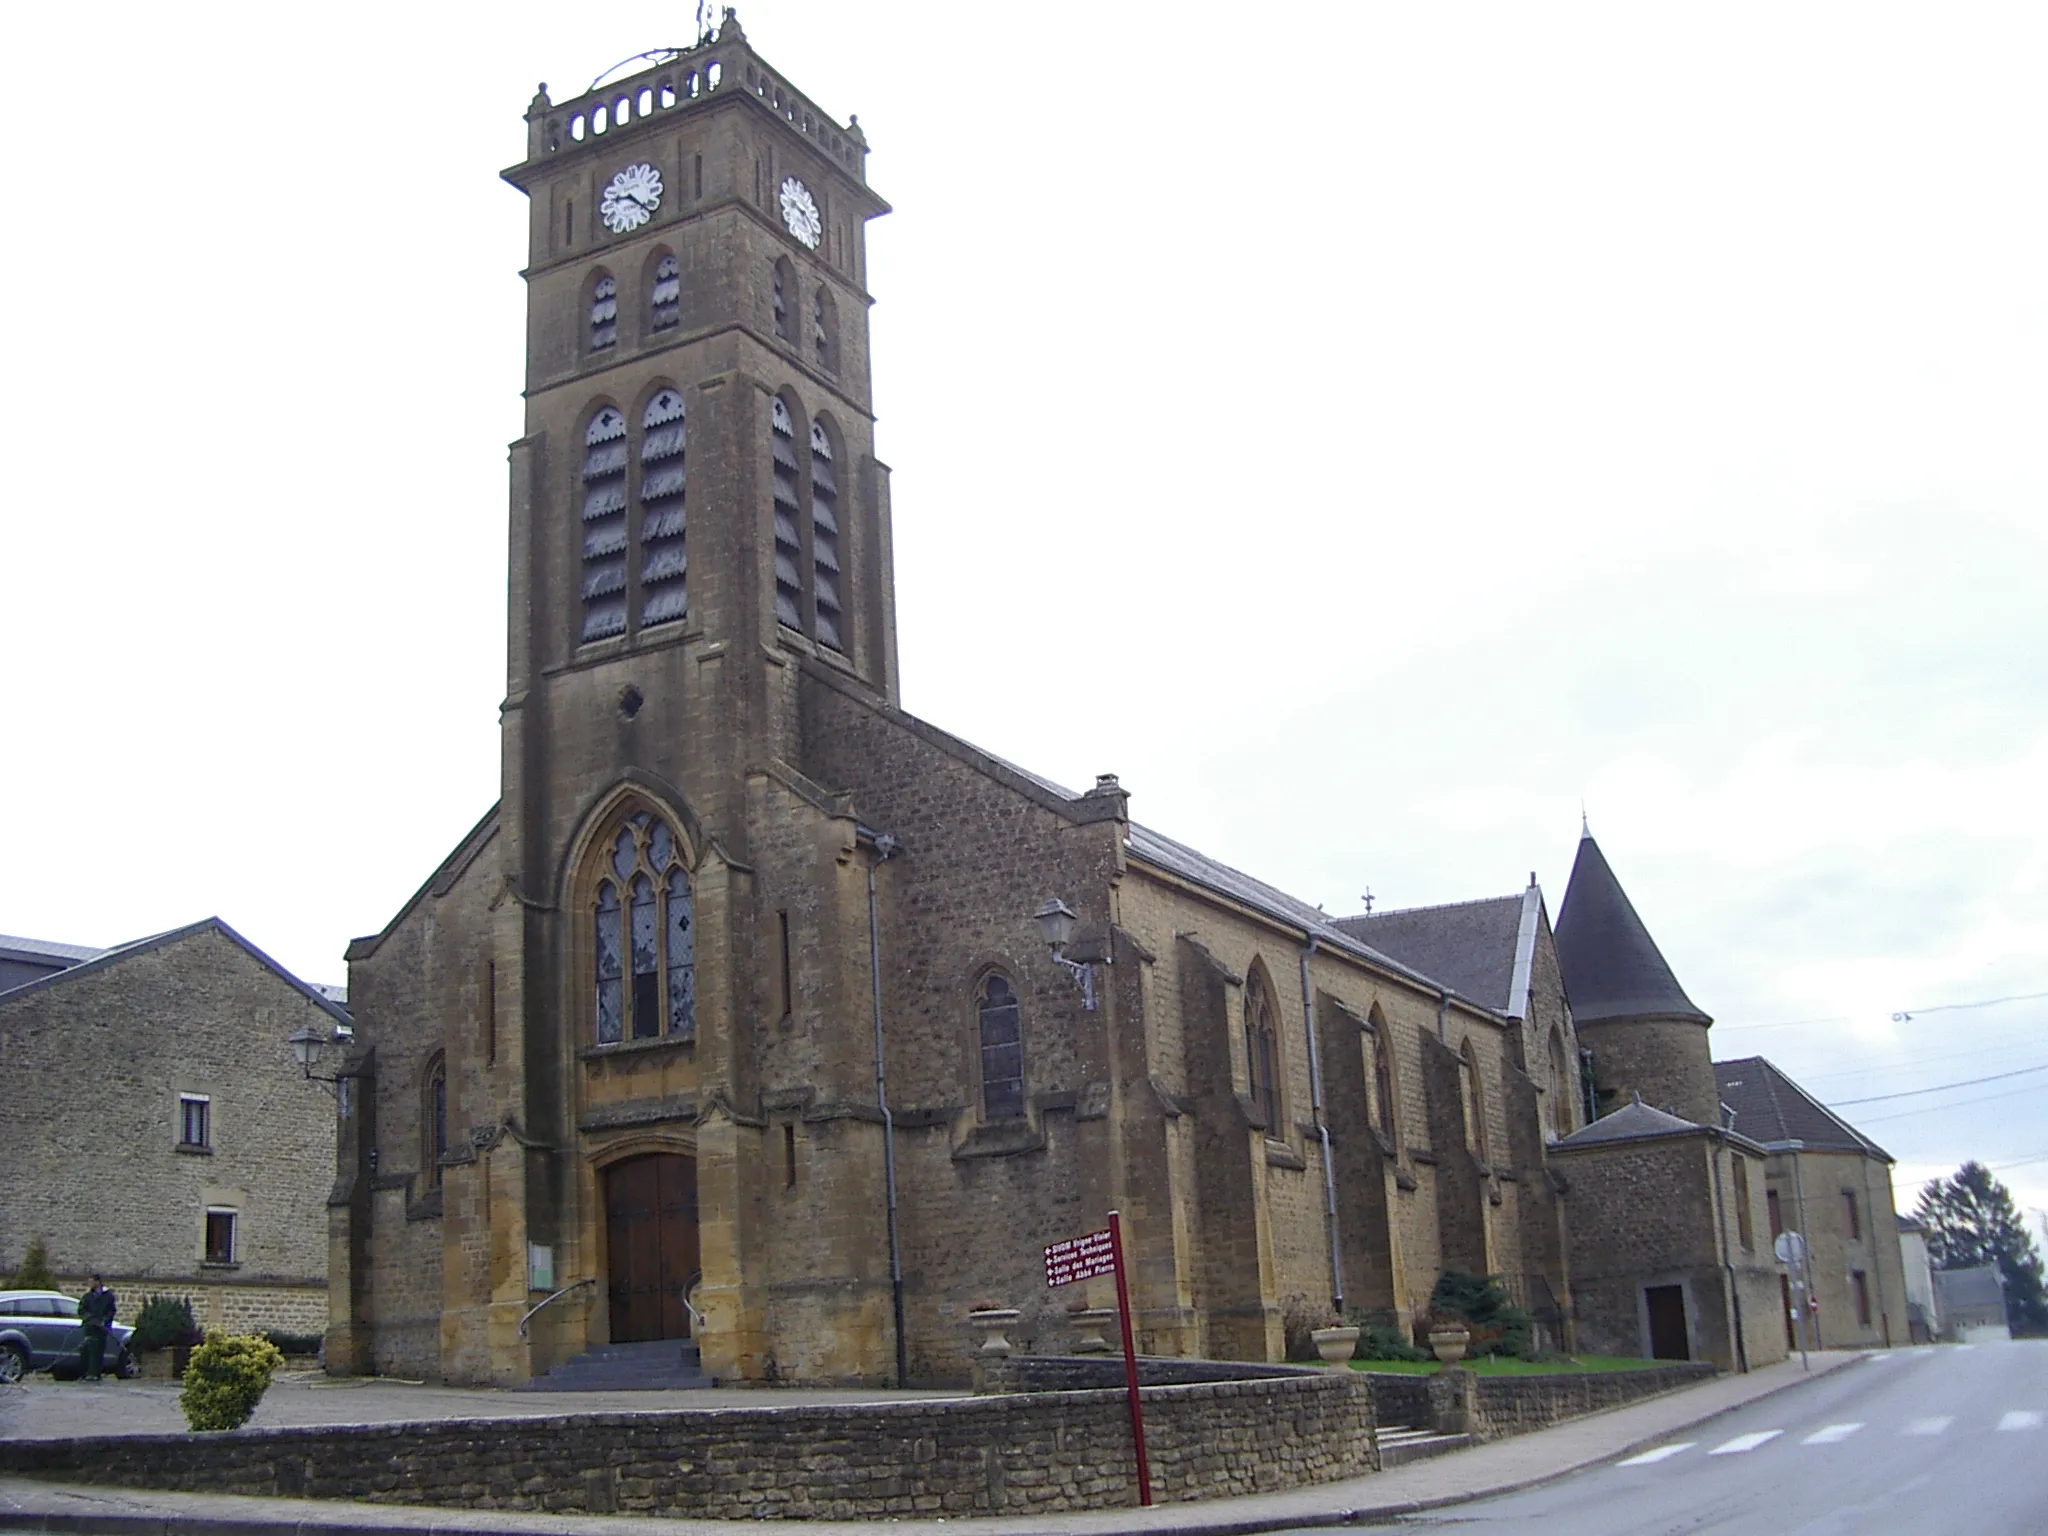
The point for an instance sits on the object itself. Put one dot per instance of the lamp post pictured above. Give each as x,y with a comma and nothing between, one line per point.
1056,922
308,1046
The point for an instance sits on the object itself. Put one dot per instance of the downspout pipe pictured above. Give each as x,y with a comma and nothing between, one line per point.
1315,1094
886,847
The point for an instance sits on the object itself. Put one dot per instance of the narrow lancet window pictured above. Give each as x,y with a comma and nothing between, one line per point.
784,295
610,971
604,312
646,946
663,566
1000,1024
604,525
825,537
824,330
789,582
666,298
1261,1023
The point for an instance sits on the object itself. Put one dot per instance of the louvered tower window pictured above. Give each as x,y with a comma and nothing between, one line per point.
646,943
789,552
663,597
825,537
604,525
604,312
666,297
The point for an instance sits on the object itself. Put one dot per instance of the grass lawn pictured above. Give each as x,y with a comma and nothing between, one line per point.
1499,1365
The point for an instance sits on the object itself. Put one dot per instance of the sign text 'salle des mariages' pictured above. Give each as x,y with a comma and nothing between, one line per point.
1080,1258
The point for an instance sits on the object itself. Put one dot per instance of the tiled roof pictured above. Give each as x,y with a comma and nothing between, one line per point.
1632,1122
1469,946
33,950
1612,967
1769,1107
1978,1287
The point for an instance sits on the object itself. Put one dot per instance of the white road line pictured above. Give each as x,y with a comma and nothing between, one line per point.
1832,1434
2020,1418
1747,1442
1649,1458
1932,1426
1960,1348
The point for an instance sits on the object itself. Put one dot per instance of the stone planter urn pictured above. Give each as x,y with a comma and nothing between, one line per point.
1092,1323
991,1323
1448,1344
1336,1345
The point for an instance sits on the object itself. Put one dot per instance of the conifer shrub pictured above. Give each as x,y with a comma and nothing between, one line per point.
226,1379
162,1322
34,1274
1482,1303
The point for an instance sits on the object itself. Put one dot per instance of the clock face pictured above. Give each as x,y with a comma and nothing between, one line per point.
800,212
631,198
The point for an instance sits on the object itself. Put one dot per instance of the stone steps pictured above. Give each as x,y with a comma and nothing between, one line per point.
659,1365
1402,1443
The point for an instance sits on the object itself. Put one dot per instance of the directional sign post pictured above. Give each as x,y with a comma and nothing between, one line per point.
1083,1258
1790,1248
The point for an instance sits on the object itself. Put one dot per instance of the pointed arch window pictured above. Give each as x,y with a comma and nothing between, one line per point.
665,298
783,298
604,525
1262,1050
604,312
1000,1026
434,1119
1473,1089
825,537
789,550
1383,1077
646,939
663,565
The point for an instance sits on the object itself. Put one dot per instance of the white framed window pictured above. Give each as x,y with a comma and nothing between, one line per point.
195,1120
220,1235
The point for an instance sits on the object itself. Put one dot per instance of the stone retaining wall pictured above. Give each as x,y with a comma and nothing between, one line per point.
1494,1407
1082,1373
1033,1453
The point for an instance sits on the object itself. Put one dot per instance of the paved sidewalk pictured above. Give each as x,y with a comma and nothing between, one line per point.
1500,1467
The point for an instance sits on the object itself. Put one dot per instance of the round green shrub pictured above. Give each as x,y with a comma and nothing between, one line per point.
226,1379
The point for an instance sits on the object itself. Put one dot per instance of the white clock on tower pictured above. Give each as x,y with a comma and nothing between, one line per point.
631,198
800,212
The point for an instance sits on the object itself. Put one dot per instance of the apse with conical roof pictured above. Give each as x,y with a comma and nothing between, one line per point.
1647,1037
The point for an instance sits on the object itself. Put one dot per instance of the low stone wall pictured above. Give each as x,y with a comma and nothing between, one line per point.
1082,1373
1015,1454
1494,1407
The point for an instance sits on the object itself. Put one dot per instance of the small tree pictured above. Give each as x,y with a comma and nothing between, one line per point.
162,1322
1482,1303
226,1379
34,1274
1971,1220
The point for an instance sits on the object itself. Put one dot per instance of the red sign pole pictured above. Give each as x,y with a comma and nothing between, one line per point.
1123,1308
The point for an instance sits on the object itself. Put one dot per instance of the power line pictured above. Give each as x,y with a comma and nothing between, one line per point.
1904,1015
1931,1109
1914,1093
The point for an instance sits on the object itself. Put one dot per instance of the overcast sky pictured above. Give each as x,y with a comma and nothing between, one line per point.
1374,431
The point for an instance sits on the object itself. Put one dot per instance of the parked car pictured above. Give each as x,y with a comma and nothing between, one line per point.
40,1330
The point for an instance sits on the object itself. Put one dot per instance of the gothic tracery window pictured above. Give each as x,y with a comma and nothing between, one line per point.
825,537
434,1120
604,525
604,312
789,582
646,940
1262,1054
665,298
999,1025
664,598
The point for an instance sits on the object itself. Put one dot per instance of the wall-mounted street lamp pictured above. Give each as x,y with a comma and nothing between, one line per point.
309,1045
1056,922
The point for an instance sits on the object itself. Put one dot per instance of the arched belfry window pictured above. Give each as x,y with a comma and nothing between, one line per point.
434,1119
663,567
789,549
783,299
604,525
646,940
1262,1049
604,312
999,1026
665,298
825,537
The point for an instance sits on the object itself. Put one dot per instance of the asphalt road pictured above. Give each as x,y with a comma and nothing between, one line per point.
1923,1442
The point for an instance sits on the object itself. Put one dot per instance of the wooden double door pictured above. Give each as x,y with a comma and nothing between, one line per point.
650,1215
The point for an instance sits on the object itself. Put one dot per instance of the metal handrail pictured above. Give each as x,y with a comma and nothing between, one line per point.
690,1289
565,1290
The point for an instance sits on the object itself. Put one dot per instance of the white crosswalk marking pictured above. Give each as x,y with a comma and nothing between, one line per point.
1648,1458
2020,1418
1832,1434
1932,1426
1747,1442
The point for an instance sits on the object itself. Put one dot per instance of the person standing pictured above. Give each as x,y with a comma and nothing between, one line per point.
96,1311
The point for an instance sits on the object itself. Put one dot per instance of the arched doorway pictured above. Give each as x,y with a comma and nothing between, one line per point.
650,1214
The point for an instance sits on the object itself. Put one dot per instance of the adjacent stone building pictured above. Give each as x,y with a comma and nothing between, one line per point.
161,1134
1830,1182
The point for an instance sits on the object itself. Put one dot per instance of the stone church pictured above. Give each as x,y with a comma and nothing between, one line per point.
765,1025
